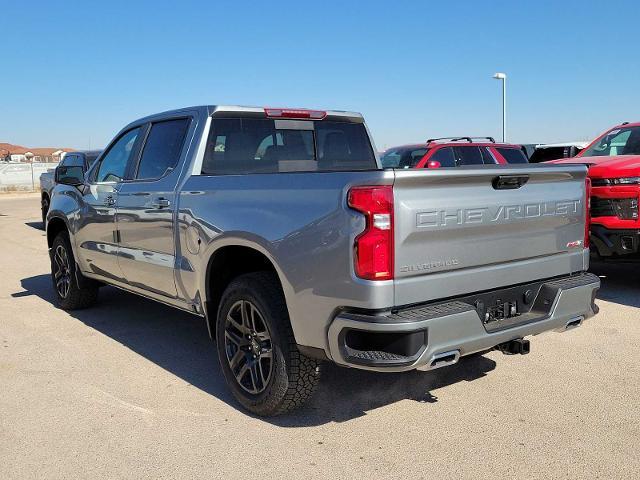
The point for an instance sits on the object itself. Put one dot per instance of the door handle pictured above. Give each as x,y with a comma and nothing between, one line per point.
161,203
109,201
509,182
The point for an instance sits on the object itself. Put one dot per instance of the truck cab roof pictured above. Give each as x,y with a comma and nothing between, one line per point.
253,111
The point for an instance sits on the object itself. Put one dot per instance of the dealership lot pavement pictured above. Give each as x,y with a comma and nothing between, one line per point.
132,389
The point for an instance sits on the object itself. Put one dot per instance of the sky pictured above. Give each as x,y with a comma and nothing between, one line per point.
73,73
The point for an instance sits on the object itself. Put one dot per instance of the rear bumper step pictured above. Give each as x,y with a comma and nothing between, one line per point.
433,336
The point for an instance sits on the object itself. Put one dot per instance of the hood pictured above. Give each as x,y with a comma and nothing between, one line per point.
607,167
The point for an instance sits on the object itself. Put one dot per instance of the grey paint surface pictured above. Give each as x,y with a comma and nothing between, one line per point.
302,224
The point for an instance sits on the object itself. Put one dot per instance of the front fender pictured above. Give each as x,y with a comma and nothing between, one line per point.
65,206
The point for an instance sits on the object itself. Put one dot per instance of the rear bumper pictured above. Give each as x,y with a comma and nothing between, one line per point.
436,335
614,242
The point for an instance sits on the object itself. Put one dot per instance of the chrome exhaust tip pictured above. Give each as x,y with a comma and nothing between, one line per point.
574,323
443,359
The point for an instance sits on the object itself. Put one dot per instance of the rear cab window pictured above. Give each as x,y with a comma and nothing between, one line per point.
266,145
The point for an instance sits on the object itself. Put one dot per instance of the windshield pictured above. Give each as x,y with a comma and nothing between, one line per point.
619,141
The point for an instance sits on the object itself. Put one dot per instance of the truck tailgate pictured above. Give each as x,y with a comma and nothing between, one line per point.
470,229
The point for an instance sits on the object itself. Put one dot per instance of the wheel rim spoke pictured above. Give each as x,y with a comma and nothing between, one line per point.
245,308
247,342
241,373
235,339
238,326
256,375
234,361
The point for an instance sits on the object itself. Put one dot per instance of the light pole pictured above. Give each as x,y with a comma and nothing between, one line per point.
503,77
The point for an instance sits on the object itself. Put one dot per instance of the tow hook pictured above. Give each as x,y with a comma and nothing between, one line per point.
519,346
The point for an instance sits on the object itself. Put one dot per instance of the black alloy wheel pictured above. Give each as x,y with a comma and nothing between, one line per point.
61,271
247,344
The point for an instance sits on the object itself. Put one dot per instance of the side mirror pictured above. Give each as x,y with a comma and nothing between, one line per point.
73,176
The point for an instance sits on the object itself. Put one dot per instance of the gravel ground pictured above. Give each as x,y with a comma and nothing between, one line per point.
132,389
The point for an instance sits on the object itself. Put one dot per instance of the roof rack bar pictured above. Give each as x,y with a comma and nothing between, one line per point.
457,139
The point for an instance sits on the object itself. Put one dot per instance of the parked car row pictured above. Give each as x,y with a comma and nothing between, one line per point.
281,228
613,160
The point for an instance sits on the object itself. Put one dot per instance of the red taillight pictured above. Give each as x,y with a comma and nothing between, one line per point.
587,211
295,113
373,248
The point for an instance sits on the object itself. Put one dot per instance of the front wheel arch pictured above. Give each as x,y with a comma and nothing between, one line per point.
54,227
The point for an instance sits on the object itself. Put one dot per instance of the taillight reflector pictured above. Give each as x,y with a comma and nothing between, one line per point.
373,248
295,113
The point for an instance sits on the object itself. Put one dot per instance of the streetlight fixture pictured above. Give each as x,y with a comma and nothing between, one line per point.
503,77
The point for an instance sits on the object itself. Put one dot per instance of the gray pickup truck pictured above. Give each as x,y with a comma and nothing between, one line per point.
281,230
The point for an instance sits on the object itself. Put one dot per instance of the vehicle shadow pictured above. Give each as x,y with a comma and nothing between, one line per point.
36,225
620,282
179,343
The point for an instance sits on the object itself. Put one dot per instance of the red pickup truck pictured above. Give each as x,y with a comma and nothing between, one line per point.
614,169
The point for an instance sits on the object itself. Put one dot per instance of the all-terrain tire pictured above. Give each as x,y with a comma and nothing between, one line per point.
293,377
71,294
45,210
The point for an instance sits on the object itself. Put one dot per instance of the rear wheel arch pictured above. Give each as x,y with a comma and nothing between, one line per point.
224,265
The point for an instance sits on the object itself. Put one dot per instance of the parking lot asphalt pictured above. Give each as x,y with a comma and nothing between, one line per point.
132,389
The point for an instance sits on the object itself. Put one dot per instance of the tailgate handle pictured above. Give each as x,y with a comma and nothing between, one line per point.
509,182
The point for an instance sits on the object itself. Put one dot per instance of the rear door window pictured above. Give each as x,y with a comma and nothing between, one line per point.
444,156
512,155
162,148
487,156
415,156
468,156
255,145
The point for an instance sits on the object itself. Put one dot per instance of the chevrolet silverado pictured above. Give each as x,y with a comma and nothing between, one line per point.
280,228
